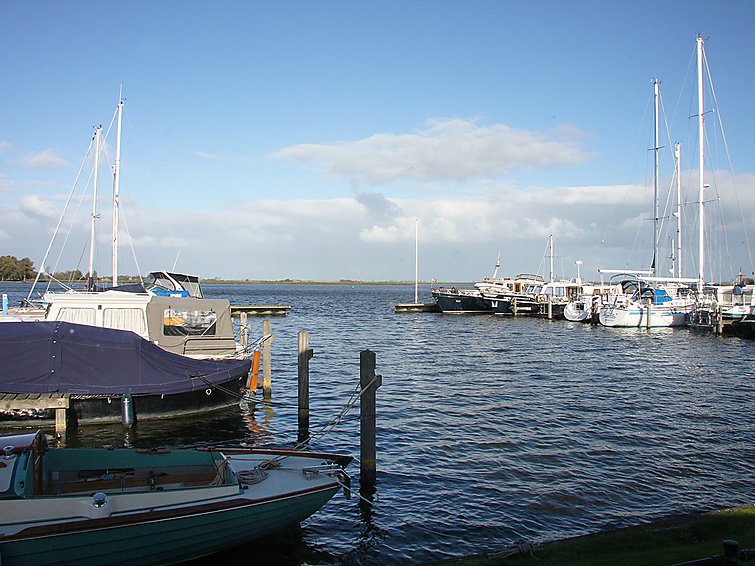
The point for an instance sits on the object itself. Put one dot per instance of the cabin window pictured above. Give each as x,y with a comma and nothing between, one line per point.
189,323
125,319
76,315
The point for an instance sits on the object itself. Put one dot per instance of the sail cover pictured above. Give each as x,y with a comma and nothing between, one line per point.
66,358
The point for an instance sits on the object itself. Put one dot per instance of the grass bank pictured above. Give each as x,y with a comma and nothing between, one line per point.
662,543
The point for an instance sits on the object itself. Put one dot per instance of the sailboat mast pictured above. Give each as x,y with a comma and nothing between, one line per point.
97,132
551,242
656,84
116,195
701,192
678,156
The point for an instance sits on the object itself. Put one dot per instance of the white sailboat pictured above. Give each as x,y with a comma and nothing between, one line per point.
643,299
168,309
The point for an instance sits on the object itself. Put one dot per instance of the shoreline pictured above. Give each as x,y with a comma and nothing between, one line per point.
663,542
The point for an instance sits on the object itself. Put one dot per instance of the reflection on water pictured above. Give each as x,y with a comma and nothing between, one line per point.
489,429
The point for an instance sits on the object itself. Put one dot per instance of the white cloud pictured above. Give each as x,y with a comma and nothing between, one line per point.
446,150
5,147
6,185
34,205
372,237
43,160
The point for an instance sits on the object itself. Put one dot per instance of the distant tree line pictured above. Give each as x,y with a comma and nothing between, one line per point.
13,269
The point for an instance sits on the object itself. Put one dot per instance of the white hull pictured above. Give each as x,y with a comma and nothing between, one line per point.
635,316
576,311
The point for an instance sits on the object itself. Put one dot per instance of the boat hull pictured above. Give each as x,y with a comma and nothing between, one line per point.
633,317
161,539
455,301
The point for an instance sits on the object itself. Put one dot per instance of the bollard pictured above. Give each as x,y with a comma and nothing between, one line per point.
731,552
369,383
305,354
266,352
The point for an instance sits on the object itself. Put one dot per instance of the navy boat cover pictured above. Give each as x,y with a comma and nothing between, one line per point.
66,358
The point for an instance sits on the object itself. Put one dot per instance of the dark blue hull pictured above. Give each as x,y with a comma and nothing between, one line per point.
460,301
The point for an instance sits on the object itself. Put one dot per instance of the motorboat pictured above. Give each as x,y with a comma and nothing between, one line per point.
91,506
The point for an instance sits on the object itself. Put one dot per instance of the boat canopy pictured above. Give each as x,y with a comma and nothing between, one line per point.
67,358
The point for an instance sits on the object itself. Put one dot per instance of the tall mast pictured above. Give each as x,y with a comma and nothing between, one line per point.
656,84
678,157
97,132
551,242
701,192
116,195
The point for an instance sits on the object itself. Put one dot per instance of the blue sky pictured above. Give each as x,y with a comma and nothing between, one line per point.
269,140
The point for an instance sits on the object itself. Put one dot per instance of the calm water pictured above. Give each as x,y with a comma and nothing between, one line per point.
489,429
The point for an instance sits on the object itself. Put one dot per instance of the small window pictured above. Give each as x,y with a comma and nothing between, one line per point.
76,315
189,323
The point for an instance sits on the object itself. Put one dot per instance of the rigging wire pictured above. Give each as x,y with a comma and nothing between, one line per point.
60,221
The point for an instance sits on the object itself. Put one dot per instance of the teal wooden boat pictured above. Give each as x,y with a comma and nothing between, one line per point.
125,506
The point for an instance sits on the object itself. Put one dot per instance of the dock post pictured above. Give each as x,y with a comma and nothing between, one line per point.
305,354
550,307
61,421
268,338
244,330
650,308
369,383
719,321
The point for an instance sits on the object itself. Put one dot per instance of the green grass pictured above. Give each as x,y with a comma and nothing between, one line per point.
658,544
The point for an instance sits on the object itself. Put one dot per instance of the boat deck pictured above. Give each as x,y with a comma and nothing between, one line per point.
129,480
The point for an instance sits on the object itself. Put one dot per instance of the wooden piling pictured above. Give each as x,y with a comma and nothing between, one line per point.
305,354
244,331
369,383
268,336
550,307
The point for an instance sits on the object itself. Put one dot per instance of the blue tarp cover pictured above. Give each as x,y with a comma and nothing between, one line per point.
65,358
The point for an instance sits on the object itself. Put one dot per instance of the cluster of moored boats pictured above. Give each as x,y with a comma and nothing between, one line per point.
628,299
153,349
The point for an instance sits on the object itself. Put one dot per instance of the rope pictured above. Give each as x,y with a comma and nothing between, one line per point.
250,477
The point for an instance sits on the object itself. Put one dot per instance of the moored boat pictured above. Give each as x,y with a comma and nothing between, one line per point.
126,506
100,371
460,300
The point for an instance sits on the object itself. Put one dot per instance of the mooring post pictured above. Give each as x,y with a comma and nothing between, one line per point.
268,338
305,354
61,421
650,307
369,383
731,552
550,307
244,330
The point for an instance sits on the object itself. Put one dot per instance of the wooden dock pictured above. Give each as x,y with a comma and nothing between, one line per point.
416,307
39,401
260,310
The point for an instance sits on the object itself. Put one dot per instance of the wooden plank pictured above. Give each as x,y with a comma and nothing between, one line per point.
258,310
30,402
416,307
